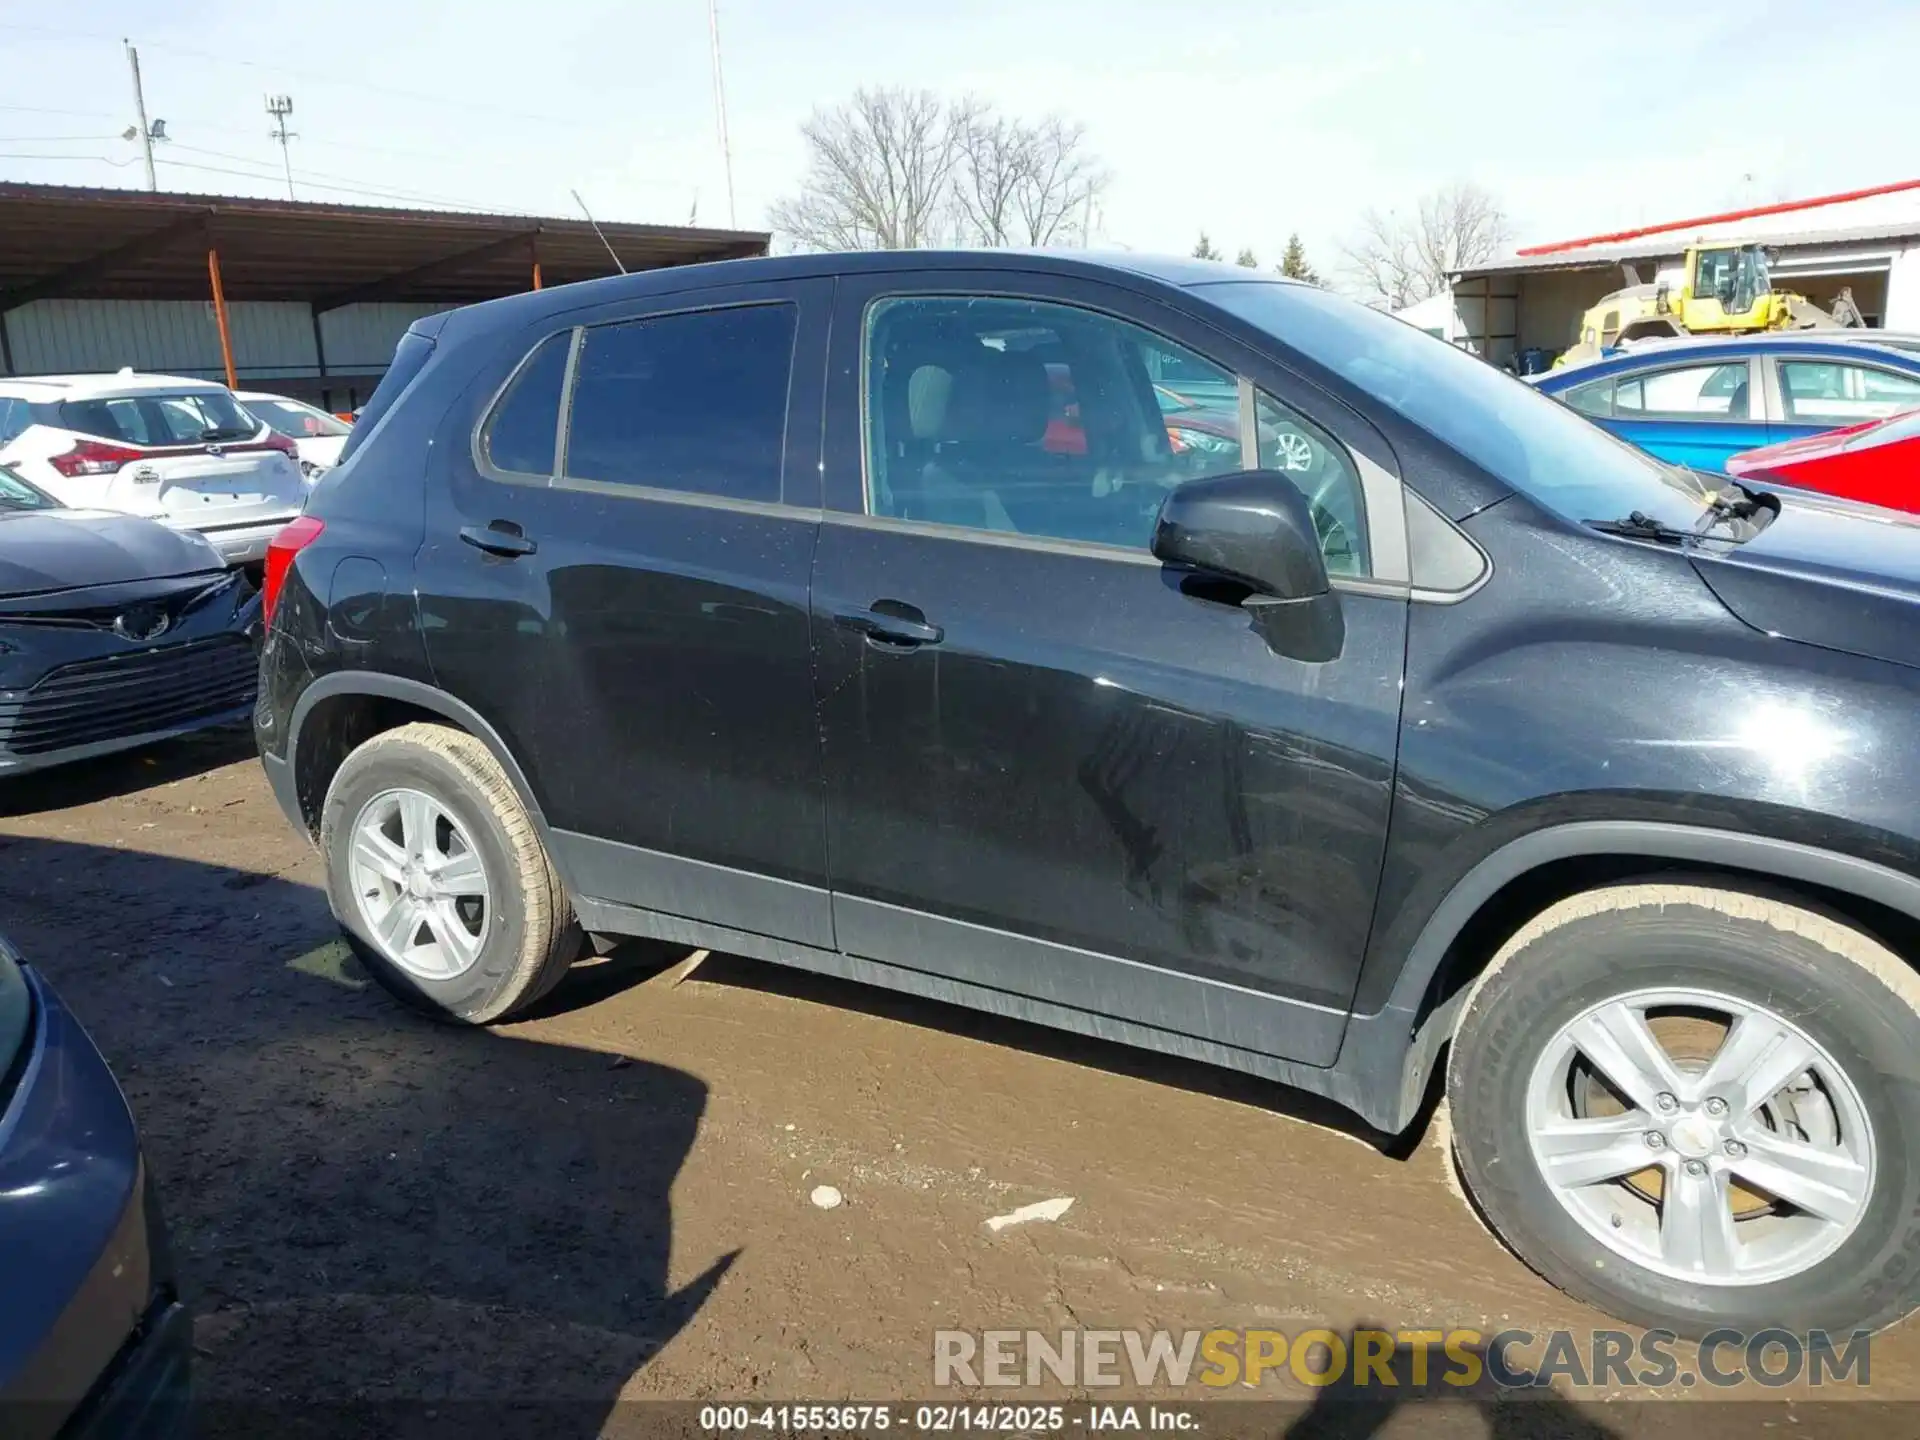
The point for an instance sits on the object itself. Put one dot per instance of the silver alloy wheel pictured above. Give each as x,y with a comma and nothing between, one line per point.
419,884
1744,1163
1296,451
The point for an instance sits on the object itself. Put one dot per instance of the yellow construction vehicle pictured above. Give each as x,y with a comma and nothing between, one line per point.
1720,290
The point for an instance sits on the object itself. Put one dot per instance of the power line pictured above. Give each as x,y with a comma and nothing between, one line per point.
441,201
104,160
44,110
319,77
264,172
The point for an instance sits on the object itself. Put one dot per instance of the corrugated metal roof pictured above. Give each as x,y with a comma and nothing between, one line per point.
1606,257
58,240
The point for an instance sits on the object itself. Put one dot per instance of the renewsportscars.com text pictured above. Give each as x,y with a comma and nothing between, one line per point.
1385,1359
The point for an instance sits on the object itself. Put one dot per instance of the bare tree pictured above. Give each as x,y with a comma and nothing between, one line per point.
1022,184
995,158
900,170
1055,196
1398,259
878,173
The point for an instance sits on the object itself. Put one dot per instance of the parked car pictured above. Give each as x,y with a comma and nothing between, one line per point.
180,451
317,436
1878,462
115,631
1697,402
94,1339
1491,746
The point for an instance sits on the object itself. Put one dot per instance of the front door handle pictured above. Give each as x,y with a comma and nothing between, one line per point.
891,624
501,537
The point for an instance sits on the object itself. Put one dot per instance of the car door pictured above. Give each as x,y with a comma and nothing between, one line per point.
626,603
1812,393
1694,414
1055,768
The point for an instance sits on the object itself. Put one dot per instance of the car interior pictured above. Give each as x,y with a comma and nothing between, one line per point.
1034,419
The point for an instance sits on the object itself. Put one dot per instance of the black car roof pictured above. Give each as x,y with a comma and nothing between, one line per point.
1140,272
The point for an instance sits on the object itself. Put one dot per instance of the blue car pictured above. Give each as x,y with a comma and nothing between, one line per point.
1696,402
94,1340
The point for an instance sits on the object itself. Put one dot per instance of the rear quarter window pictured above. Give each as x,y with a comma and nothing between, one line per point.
409,359
519,435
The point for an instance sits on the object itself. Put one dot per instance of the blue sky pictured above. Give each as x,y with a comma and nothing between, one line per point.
1246,118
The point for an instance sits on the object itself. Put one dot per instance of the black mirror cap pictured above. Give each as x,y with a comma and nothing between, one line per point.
1253,526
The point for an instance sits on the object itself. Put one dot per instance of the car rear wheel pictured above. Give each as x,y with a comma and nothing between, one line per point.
439,879
1696,1108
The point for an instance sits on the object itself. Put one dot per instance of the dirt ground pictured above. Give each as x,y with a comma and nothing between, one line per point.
611,1201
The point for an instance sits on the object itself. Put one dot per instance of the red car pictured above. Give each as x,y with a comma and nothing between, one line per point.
1878,462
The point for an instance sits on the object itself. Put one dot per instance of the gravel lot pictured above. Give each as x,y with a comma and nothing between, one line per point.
610,1201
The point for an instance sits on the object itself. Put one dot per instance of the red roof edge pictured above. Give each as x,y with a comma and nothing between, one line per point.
1782,208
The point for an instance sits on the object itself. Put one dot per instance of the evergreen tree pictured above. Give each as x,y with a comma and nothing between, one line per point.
1293,263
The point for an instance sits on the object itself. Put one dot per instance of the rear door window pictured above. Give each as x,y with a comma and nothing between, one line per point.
1819,392
694,402
1692,392
1593,398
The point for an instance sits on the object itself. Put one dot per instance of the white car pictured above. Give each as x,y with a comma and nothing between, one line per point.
179,451
318,436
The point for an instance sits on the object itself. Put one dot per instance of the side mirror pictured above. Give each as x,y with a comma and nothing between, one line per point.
1253,527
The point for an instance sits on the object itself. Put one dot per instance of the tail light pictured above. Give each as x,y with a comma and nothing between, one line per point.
90,457
283,443
295,537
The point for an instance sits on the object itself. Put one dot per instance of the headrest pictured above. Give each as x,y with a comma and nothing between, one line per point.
929,389
998,397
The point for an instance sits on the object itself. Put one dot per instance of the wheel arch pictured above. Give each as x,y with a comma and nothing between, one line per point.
340,711
1399,1046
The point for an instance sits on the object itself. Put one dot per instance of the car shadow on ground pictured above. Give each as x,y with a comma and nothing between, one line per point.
387,1226
633,961
1359,1404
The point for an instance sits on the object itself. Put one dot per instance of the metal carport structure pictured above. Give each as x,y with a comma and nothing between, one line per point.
87,275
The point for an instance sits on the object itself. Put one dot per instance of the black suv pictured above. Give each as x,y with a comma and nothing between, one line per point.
1171,654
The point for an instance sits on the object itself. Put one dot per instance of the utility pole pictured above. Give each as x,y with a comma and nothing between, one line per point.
140,113
720,106
280,107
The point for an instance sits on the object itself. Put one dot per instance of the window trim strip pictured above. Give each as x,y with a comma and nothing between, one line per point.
564,415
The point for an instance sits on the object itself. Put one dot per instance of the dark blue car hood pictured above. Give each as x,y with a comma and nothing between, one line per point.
44,550
1827,572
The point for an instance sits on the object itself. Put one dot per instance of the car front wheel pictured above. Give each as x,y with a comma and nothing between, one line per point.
1698,1107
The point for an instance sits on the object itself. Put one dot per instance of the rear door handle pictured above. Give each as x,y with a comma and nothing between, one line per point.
501,537
888,628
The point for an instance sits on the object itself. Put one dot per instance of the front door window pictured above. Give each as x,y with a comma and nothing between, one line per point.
1032,418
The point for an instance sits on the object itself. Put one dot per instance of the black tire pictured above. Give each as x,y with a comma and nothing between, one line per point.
531,933
1843,989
